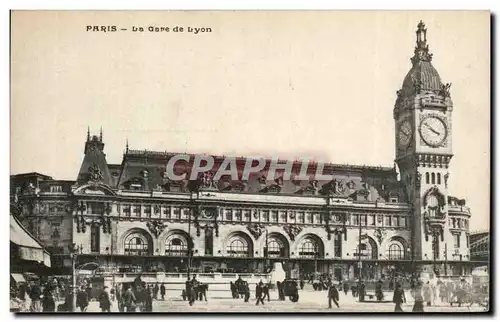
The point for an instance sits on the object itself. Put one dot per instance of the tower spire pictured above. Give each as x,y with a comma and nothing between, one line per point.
422,49
88,133
126,146
100,135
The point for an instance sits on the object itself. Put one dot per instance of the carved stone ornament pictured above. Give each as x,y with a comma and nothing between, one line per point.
256,230
256,214
157,209
446,176
83,224
379,234
292,231
95,174
156,227
207,181
445,90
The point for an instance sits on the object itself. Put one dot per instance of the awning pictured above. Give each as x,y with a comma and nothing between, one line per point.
19,278
28,248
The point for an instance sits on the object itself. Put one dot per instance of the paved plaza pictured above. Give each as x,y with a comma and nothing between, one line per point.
310,301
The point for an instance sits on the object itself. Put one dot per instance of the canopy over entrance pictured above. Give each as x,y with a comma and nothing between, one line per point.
24,246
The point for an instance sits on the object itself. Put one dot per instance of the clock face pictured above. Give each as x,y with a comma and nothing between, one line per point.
433,131
404,133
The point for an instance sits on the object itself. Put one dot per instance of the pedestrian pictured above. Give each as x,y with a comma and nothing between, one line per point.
104,300
82,299
35,294
259,290
265,290
398,298
333,295
378,291
148,305
156,289
162,291
427,290
49,305
361,292
346,287
128,299
418,306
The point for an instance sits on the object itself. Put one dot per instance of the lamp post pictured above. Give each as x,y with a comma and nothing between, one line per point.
266,253
74,250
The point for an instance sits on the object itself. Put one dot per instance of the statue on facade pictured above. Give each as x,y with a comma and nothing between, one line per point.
156,227
256,230
292,231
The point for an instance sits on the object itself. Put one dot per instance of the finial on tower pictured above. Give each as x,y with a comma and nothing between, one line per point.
88,133
126,146
422,49
100,135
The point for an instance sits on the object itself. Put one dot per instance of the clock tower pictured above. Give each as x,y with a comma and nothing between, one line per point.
422,114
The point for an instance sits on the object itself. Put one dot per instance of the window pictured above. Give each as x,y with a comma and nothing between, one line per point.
363,220
309,248
55,188
237,215
126,210
456,238
395,251
439,178
459,223
354,220
264,215
137,210
467,240
166,212
394,199
229,214
177,213
337,246
372,220
433,178
283,216
366,251
309,218
136,244
238,247
176,245
95,234
404,222
427,177
274,216
246,214
275,248
388,221
147,210
454,222
395,221
301,218
96,208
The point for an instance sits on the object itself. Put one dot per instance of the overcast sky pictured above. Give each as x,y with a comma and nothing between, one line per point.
287,84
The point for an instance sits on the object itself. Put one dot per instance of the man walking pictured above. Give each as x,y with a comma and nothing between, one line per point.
398,298
333,295
162,291
259,290
104,300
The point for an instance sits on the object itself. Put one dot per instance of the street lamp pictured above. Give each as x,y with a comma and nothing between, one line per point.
74,251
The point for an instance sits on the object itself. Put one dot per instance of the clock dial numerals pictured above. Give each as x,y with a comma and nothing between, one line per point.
433,131
405,133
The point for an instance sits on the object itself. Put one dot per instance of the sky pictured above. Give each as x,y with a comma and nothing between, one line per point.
286,84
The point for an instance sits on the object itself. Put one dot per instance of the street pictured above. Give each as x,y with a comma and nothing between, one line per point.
310,301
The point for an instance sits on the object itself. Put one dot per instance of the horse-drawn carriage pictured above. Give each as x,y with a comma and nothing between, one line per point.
240,288
194,291
291,289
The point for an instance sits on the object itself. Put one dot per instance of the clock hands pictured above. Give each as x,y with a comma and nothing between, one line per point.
432,130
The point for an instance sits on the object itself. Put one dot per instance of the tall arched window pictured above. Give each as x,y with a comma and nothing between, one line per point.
136,244
275,247
238,247
433,178
395,251
176,245
439,178
309,248
369,249
427,177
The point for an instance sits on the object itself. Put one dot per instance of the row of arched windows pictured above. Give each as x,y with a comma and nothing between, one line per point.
432,178
239,245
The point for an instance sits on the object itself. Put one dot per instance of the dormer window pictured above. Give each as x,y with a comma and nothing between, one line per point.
55,188
394,199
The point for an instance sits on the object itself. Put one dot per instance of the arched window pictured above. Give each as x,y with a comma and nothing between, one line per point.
433,178
439,178
176,245
309,248
238,247
427,177
369,249
395,251
136,244
275,247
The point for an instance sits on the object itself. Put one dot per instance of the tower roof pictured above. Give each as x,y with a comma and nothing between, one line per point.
422,76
